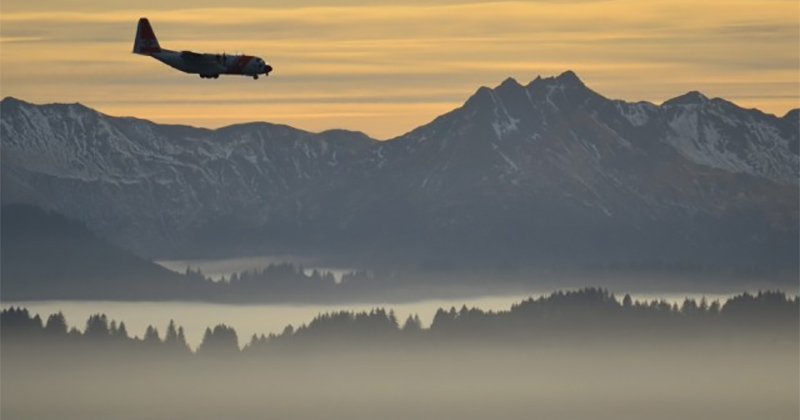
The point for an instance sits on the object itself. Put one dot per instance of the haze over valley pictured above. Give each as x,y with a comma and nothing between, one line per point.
541,250
400,210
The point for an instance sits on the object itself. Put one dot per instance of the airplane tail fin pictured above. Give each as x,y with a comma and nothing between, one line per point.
145,42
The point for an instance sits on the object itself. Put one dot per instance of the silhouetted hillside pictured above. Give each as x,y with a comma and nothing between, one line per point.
47,256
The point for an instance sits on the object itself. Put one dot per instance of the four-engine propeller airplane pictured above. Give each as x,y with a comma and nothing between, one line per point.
208,66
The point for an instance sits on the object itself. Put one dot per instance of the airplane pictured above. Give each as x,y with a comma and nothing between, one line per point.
208,66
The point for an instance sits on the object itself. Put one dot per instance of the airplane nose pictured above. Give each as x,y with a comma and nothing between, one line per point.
267,69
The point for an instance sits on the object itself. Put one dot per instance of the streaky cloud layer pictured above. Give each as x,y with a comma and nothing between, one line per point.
386,67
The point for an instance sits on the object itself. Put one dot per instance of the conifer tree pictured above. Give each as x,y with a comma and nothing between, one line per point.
56,324
151,336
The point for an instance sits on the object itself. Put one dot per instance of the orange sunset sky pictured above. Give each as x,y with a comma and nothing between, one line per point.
387,66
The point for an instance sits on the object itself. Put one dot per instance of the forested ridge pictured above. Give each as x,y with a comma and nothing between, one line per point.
588,313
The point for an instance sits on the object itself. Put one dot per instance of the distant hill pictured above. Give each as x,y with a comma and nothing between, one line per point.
47,256
546,174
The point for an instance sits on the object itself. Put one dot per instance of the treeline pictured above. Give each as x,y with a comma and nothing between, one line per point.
584,313
288,282
283,280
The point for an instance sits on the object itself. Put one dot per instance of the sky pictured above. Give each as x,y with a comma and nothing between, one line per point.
387,66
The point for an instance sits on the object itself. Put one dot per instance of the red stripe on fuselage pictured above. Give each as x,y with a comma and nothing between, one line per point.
238,66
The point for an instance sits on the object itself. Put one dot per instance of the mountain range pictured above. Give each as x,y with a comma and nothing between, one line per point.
545,174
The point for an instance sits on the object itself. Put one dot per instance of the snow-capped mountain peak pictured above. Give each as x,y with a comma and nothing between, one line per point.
690,98
546,170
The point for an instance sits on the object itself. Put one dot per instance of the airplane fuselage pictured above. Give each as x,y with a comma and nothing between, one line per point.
212,65
206,65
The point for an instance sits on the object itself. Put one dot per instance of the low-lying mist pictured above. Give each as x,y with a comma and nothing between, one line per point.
569,355
622,380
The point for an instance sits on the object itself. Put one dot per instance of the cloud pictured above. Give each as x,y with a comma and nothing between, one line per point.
10,39
413,57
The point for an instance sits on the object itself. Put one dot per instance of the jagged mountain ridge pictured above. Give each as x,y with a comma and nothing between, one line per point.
142,184
556,169
544,172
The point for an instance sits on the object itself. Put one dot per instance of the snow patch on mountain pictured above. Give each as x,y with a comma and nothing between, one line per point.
552,156
721,138
638,114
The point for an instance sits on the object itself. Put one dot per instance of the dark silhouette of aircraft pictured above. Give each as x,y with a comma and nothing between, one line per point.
208,66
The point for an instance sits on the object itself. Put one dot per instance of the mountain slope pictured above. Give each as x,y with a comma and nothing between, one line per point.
553,171
547,174
152,187
46,256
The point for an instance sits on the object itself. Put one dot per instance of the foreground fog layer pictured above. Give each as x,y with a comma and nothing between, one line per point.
580,380
569,355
